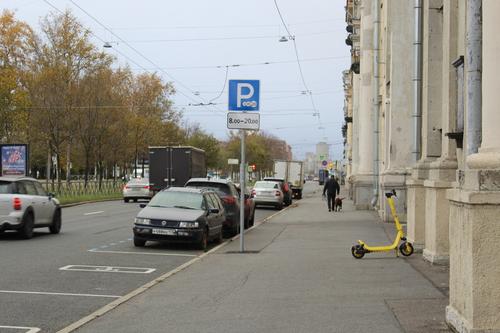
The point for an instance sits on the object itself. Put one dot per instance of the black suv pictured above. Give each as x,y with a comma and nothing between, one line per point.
230,197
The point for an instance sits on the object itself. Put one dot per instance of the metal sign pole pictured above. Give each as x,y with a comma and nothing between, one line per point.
242,192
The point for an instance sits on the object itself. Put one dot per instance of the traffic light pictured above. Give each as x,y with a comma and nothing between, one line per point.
253,167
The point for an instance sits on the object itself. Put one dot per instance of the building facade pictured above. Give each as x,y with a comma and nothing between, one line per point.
420,110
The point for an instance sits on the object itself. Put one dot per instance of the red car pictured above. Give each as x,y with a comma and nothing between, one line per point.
230,197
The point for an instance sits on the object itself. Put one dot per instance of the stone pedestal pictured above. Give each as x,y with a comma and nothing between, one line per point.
363,191
474,261
415,219
388,182
442,176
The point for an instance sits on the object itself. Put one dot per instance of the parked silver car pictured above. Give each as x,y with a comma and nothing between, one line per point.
268,193
137,188
25,205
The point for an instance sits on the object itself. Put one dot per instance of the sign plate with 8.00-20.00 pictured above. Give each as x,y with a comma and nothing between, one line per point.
240,120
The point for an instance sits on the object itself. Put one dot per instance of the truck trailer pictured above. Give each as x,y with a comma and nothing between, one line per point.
293,173
174,166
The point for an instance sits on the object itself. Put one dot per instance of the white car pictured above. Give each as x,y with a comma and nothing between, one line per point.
25,205
268,193
137,188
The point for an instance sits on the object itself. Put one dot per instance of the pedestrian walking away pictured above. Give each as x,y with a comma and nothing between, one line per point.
331,189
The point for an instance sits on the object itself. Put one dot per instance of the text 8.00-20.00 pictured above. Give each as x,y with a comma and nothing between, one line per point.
237,120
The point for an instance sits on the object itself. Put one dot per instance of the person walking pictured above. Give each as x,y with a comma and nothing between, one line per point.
331,188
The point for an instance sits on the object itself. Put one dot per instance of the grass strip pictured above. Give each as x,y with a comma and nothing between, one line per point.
71,199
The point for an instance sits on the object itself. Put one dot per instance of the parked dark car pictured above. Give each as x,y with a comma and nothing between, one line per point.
230,197
285,188
180,214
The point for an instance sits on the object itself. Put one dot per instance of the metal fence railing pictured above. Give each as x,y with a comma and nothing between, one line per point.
78,188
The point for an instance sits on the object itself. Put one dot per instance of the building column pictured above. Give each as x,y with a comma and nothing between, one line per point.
442,171
397,96
431,119
475,207
363,179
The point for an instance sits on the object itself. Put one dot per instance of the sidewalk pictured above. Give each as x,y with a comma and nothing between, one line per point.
299,277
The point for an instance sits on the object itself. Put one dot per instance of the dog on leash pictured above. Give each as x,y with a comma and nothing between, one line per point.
338,204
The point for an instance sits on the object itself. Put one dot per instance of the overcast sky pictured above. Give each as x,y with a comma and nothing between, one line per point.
185,42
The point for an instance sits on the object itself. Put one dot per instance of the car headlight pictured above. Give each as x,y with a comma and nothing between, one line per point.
140,220
188,224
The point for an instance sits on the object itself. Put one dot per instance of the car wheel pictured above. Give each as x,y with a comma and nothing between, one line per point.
280,206
55,228
252,220
139,242
218,239
27,230
125,200
202,244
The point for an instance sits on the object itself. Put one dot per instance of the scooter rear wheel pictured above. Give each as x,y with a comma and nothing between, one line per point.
406,249
357,251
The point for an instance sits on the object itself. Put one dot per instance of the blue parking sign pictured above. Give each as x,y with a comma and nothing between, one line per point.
244,95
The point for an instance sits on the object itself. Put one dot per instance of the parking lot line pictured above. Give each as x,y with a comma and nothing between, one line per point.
54,294
28,329
93,213
108,269
144,253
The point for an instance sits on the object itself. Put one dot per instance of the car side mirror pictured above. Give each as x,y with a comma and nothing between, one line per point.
51,195
142,205
213,211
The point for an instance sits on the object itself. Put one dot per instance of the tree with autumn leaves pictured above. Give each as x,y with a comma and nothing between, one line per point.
81,113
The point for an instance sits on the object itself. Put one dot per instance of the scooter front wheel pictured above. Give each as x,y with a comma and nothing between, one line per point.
357,251
406,249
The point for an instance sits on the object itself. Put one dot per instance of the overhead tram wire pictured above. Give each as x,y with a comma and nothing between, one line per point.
142,55
292,37
223,87
117,51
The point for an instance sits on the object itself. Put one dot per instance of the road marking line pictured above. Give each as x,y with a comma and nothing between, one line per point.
144,253
109,307
107,269
93,213
29,329
54,294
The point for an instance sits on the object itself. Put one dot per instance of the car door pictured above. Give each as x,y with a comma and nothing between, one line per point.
221,216
47,204
34,200
211,217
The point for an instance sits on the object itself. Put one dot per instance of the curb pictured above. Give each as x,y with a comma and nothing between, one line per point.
86,202
108,307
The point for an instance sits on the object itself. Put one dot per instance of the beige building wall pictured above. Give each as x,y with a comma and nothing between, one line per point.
396,89
363,179
475,205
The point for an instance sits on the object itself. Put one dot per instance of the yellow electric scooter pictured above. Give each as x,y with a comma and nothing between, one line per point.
358,251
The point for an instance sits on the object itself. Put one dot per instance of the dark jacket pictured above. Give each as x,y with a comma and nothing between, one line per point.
331,186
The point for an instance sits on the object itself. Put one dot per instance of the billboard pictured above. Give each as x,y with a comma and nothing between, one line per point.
14,160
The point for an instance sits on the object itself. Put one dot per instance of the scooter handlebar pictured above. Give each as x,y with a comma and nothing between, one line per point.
390,194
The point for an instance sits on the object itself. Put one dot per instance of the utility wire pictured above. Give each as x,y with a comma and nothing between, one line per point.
292,38
263,63
138,52
223,87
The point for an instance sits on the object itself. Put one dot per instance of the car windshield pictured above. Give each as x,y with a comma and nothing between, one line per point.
266,185
5,187
221,189
138,181
171,199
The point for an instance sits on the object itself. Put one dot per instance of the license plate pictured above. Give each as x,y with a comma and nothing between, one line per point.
167,232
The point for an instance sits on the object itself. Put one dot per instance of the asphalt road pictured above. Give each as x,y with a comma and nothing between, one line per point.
50,281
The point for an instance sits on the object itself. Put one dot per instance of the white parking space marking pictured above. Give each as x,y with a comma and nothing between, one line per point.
26,329
108,269
54,294
93,213
145,253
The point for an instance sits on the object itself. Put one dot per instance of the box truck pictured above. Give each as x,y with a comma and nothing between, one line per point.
293,173
174,166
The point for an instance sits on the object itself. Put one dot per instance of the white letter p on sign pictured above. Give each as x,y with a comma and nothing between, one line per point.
240,96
